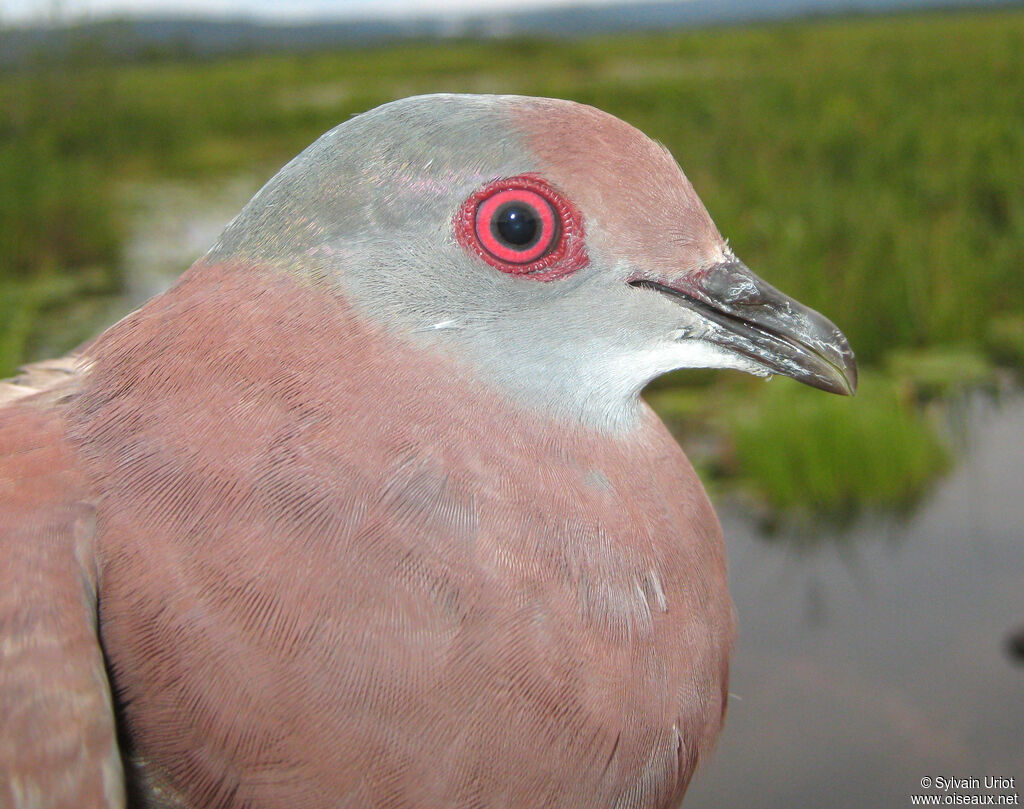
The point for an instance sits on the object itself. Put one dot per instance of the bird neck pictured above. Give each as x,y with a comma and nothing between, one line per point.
564,380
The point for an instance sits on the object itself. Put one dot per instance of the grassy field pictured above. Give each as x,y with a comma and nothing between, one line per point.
871,167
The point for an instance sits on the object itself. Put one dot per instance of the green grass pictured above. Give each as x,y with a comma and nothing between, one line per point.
1004,339
870,167
790,447
831,454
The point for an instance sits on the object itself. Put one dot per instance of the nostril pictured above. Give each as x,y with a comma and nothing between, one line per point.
745,293
733,284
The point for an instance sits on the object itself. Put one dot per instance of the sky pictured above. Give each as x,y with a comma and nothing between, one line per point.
41,10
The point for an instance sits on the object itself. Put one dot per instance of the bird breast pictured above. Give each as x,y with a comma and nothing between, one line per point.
362,574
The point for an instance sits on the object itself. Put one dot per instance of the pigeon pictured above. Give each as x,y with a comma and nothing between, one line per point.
367,509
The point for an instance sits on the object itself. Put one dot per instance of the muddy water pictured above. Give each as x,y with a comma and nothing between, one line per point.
173,224
876,657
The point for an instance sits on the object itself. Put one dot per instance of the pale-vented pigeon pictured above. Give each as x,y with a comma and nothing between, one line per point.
367,511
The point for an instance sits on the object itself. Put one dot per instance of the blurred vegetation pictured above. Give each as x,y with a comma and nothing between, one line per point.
871,167
878,451
795,450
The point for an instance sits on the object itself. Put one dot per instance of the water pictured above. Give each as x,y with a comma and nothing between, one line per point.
878,655
171,225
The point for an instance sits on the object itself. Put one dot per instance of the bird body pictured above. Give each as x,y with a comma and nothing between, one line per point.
367,512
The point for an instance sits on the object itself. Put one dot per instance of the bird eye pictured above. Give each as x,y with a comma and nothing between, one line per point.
523,227
516,225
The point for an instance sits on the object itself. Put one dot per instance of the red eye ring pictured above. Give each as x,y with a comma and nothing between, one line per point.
546,230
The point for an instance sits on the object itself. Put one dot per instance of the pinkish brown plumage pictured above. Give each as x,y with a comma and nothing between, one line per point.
359,518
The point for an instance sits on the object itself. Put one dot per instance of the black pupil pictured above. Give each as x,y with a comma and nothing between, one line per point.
517,225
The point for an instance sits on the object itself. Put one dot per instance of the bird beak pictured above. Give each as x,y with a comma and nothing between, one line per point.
753,319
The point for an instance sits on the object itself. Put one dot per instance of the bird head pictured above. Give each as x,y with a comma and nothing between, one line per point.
552,248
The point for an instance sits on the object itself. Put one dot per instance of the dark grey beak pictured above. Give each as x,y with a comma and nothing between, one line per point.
753,319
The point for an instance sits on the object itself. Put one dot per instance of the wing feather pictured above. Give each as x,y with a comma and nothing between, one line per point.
58,743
